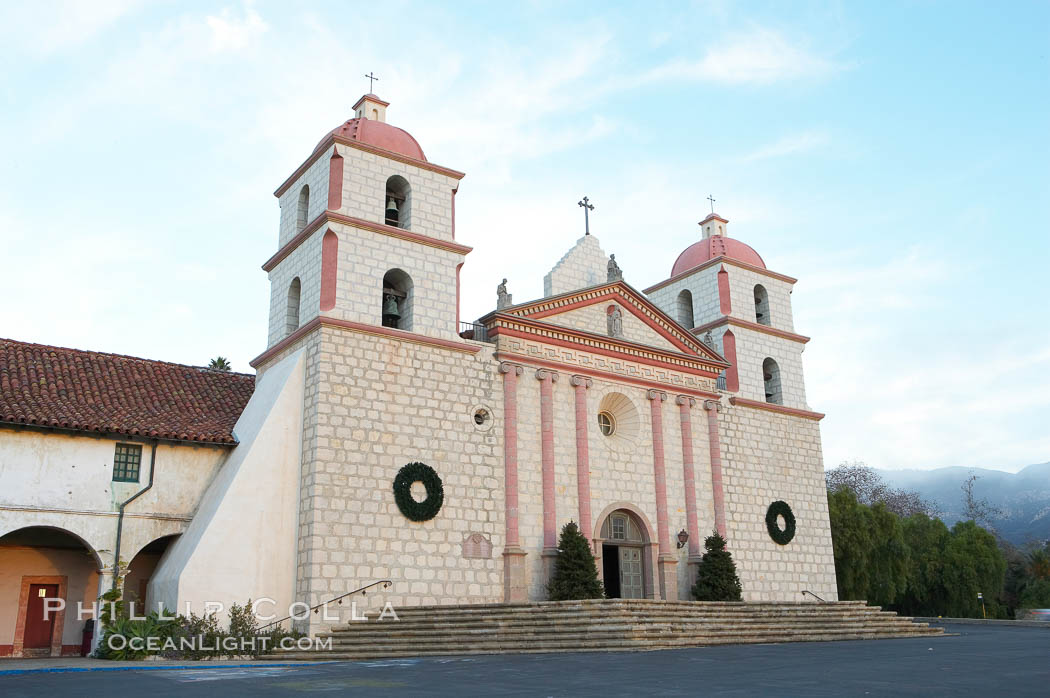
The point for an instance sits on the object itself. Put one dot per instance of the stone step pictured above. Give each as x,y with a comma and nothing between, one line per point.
477,619
646,631
609,645
547,605
678,625
606,626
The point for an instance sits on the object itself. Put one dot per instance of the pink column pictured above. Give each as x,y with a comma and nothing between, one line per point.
583,461
717,494
514,586
550,519
692,527
666,559
656,398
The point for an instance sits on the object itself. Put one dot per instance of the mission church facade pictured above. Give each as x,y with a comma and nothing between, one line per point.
650,418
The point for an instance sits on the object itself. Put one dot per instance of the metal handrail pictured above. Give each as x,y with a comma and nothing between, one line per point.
806,591
339,599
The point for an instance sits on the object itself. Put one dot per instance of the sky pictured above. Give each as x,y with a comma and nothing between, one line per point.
891,156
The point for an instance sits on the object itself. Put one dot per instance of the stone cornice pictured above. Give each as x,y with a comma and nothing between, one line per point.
792,411
507,357
737,322
363,328
382,229
617,291
722,260
331,139
500,323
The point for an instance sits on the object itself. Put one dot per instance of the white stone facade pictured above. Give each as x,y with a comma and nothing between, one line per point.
342,403
582,266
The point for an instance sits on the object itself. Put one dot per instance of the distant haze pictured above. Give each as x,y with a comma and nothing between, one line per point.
1023,497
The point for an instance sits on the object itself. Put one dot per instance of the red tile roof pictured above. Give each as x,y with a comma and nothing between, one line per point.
113,394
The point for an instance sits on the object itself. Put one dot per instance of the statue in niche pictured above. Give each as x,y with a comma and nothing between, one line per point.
615,322
614,269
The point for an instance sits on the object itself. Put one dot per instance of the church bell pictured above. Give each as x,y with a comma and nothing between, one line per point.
391,211
391,314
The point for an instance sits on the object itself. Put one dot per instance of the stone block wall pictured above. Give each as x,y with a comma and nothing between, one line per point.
703,285
752,348
315,177
303,263
381,403
583,266
366,256
364,192
742,290
768,456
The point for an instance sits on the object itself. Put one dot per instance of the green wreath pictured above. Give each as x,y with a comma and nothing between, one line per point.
429,507
775,511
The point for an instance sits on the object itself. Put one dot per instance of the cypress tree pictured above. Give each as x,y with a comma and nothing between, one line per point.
575,574
716,578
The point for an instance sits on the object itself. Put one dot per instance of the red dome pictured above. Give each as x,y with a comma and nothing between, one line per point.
378,134
715,246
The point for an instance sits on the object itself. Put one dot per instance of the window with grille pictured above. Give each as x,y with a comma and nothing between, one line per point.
126,462
619,528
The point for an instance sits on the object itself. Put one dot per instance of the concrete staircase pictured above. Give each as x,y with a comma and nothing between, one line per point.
605,625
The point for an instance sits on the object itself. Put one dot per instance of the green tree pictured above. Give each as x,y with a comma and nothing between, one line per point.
219,363
925,593
575,574
852,543
716,578
890,557
1036,594
973,564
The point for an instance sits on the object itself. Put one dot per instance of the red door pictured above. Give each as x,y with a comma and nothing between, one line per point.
38,628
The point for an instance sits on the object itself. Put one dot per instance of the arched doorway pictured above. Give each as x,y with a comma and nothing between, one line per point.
140,571
626,549
44,573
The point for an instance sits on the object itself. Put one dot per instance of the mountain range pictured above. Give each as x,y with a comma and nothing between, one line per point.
1023,497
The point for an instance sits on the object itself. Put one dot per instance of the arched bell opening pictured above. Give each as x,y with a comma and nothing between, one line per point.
397,300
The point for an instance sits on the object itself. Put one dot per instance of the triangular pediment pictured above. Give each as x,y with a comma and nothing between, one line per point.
587,311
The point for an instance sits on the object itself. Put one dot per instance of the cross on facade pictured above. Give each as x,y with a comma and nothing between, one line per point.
712,200
371,78
587,208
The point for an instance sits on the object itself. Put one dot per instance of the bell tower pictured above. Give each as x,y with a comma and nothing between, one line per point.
367,234
721,289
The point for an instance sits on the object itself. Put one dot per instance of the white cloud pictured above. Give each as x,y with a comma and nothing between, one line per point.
761,57
795,144
232,33
42,27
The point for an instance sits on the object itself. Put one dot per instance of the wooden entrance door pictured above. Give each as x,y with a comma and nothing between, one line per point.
630,573
39,629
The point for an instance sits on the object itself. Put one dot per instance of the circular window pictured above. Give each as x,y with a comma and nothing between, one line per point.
606,423
482,417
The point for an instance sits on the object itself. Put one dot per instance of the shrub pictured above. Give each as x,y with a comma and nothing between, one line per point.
716,579
575,574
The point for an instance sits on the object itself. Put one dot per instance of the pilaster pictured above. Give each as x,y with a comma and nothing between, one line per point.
666,560
550,518
583,465
515,588
717,491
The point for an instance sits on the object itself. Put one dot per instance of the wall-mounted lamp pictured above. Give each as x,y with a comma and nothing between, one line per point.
683,538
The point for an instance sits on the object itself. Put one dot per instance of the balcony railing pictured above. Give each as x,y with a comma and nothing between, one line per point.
472,330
